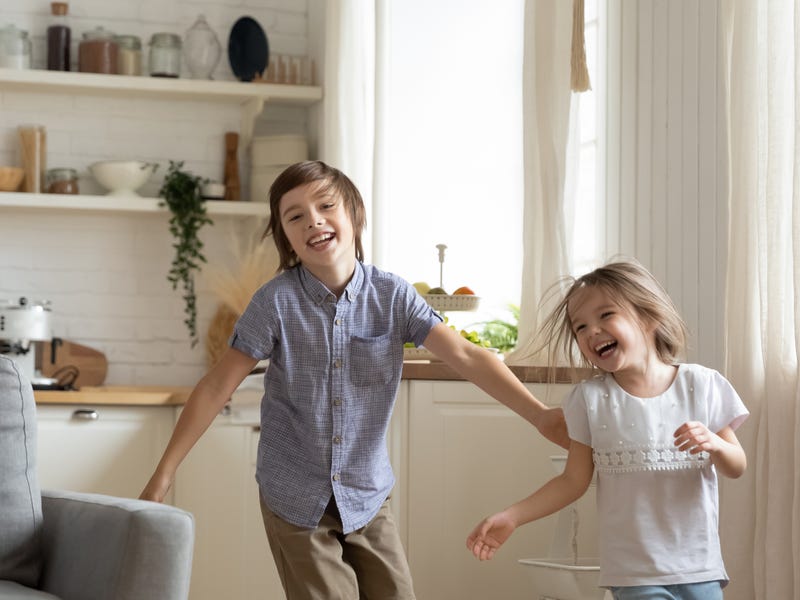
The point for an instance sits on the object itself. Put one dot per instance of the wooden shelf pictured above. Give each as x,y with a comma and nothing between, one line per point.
60,82
112,204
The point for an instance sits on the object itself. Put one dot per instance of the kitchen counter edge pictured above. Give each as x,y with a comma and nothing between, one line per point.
177,395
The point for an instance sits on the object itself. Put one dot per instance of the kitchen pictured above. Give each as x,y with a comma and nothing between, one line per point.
105,271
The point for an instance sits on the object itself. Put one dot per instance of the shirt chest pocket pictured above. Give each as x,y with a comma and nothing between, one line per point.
371,360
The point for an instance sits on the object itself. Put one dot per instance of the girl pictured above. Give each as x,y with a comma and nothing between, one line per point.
333,330
656,431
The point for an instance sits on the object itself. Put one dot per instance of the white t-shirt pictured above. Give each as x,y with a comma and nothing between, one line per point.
657,507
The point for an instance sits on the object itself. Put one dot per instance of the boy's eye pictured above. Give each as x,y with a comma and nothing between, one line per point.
291,218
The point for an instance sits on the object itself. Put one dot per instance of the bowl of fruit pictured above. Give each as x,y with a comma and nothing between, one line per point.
462,298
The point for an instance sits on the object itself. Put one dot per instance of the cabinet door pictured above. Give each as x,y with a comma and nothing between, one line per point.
101,449
216,483
470,456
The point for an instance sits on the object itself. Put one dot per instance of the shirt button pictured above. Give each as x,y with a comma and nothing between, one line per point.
338,321
337,363
337,402
336,477
337,439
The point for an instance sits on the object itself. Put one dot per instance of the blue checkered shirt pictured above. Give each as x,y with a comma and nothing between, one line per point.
334,370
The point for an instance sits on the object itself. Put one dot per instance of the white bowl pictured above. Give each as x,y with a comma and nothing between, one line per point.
122,177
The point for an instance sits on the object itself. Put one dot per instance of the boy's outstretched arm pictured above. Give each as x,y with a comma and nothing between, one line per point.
206,400
483,369
561,491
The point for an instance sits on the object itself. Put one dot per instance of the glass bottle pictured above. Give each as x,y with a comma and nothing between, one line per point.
130,55
201,49
58,38
165,55
97,52
15,48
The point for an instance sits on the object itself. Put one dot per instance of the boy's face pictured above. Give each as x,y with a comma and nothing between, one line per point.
318,226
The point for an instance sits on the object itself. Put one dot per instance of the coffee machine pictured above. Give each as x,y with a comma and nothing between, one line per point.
22,324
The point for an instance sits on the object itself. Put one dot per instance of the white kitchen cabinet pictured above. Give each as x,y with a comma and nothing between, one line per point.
470,456
101,449
216,483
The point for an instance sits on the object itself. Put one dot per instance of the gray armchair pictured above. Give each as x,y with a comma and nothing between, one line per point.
72,546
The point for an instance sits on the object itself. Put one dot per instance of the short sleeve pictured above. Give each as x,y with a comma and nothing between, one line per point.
725,407
574,407
253,333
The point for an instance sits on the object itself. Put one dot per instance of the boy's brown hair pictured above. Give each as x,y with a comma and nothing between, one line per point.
333,182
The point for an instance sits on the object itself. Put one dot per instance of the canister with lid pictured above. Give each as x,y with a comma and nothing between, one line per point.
97,52
15,48
62,181
165,55
130,55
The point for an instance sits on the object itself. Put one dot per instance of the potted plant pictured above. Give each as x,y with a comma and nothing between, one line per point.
181,193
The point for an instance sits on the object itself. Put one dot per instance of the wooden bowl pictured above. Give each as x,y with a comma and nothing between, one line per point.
10,178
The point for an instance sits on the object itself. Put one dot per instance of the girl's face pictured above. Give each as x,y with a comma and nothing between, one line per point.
318,227
609,335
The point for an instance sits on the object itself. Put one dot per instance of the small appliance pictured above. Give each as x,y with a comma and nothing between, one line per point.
23,323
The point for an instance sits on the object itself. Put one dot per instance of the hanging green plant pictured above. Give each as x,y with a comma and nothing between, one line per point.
181,194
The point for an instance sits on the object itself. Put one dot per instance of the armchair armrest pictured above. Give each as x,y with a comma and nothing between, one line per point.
98,547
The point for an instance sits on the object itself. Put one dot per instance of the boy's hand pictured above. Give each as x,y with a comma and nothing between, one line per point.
489,535
551,424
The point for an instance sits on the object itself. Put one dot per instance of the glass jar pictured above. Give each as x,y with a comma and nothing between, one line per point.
15,48
62,181
58,38
165,55
97,52
201,49
130,55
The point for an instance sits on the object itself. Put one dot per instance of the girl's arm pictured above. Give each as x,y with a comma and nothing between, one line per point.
557,493
723,447
204,404
483,369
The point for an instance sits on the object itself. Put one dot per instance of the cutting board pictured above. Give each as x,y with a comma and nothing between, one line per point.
92,364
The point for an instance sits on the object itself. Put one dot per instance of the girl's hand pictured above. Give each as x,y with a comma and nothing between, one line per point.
723,447
489,535
695,437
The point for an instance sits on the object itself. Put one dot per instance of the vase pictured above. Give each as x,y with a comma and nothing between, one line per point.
201,49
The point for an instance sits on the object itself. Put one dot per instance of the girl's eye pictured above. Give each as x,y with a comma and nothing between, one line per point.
578,328
607,314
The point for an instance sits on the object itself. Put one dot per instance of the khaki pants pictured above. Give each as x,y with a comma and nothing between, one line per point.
324,564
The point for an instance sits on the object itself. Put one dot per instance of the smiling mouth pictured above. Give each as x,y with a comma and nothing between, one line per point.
605,348
321,239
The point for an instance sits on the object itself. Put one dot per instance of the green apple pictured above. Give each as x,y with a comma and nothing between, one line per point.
422,288
437,290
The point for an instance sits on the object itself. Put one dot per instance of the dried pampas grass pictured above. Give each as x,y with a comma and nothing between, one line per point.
255,262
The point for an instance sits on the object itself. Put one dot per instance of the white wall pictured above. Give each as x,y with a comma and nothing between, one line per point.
666,182
106,274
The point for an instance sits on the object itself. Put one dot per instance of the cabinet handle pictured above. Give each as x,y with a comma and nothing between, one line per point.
85,414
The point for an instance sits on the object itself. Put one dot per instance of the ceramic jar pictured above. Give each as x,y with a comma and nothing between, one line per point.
201,49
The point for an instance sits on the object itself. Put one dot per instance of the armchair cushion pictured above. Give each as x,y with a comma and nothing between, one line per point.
98,547
20,497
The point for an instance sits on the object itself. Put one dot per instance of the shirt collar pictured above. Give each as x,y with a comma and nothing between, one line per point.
320,292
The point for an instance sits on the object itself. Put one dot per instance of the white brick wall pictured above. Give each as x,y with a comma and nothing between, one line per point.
106,274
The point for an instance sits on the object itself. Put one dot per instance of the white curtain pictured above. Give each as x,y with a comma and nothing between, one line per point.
761,525
348,134
546,118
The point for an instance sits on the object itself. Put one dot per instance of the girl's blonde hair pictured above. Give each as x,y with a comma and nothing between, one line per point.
333,181
634,289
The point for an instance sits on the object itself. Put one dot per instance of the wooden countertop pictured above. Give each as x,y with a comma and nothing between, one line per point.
177,395
117,395
440,371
